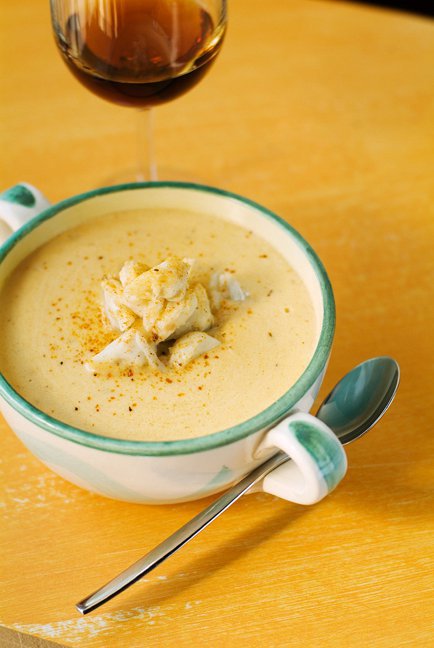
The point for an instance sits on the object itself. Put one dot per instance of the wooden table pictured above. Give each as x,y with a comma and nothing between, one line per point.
324,112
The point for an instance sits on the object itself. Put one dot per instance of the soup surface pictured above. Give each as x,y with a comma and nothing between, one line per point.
51,324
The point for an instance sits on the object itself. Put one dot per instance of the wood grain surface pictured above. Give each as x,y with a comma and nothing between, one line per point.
323,112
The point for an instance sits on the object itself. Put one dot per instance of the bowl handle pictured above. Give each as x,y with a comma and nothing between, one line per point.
318,458
18,205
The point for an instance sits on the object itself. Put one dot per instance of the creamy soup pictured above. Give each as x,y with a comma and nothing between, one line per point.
51,324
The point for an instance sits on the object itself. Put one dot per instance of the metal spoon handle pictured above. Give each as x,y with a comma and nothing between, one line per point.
178,539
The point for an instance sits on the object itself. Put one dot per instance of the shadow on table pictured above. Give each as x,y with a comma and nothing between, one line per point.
218,557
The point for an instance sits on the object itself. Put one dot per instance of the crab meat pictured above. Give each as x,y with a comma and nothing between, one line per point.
168,280
222,286
130,271
130,348
119,315
191,346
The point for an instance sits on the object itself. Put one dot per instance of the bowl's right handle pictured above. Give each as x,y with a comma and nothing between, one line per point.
18,205
318,458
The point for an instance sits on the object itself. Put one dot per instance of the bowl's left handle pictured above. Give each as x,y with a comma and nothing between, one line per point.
18,205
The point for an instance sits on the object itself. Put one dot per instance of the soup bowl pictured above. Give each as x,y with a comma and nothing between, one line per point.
186,469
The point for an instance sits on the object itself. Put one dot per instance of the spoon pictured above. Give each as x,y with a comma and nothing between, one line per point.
355,404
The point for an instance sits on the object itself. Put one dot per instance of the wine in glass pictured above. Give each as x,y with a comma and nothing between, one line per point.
139,53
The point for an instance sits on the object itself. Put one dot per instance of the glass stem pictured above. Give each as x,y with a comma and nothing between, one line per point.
146,164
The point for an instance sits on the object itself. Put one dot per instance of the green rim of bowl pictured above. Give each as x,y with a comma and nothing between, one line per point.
265,419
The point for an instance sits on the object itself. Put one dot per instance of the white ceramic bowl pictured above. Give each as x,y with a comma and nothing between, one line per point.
172,471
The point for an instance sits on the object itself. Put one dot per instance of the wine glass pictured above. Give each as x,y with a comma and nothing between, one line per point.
139,53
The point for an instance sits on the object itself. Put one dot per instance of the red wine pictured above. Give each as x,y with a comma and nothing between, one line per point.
140,52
